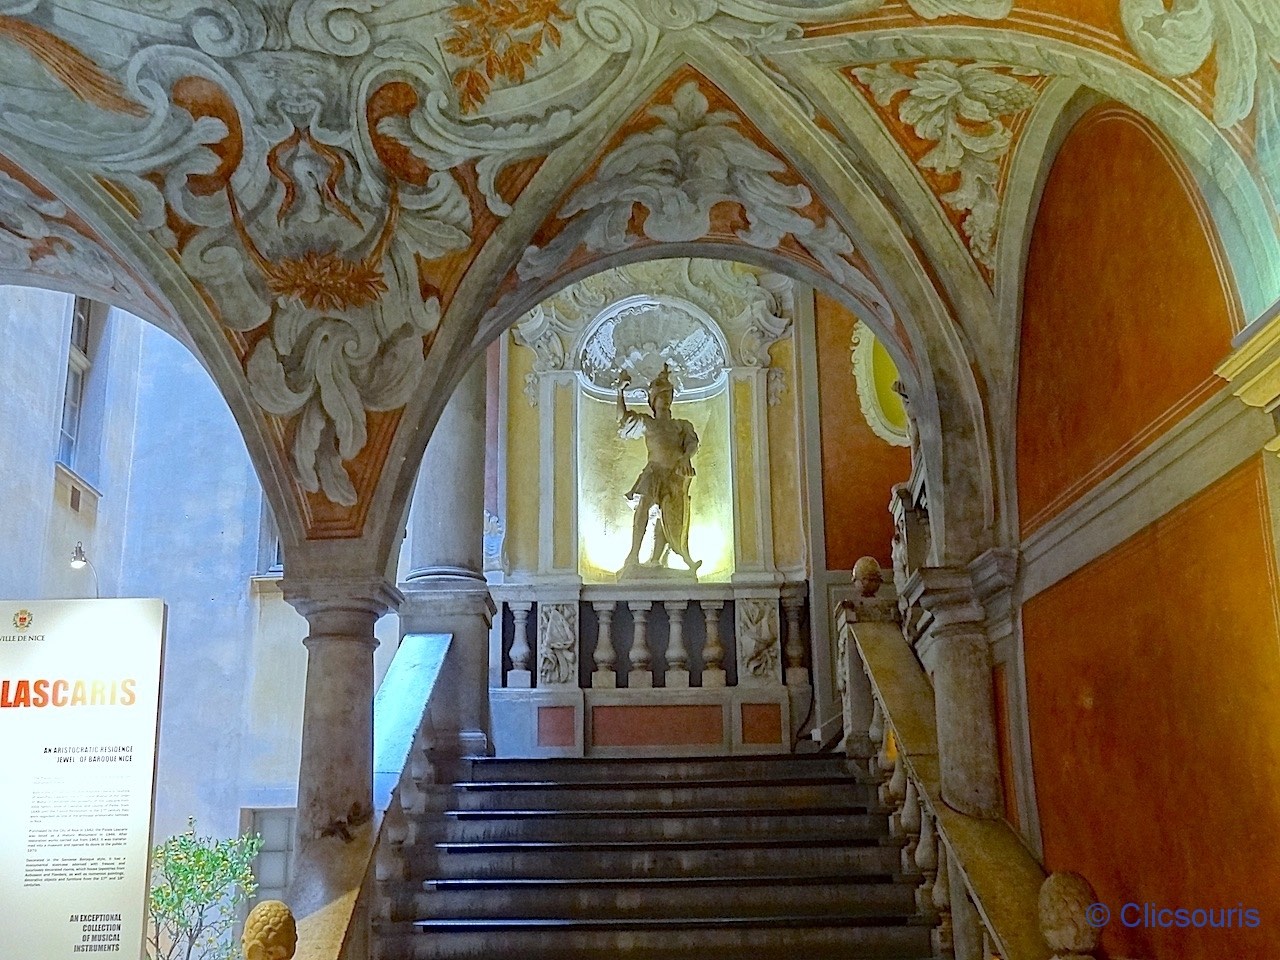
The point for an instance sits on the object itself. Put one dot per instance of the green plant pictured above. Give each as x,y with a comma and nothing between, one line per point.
196,885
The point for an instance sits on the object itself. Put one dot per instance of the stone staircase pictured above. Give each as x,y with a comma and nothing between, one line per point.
653,859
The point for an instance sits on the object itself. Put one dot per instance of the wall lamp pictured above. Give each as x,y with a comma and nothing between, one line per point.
79,561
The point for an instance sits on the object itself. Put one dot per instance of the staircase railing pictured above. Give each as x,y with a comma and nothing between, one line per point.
989,896
333,887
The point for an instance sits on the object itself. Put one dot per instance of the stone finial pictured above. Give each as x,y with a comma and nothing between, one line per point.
867,576
1065,903
270,932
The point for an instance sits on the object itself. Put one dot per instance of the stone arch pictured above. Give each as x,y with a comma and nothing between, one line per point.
1244,209
909,315
105,257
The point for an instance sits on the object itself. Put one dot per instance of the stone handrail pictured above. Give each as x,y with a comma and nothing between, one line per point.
990,896
333,875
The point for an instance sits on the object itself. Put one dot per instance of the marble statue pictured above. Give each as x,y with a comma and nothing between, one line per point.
270,932
664,481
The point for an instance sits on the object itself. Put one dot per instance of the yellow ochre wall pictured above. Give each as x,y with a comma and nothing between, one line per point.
786,477
524,443
1126,311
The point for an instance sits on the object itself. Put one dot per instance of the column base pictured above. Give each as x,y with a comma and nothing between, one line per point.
797,676
677,679
639,679
714,678
520,679
604,680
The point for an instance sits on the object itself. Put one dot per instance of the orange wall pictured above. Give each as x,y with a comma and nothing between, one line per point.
858,468
1153,681
1125,313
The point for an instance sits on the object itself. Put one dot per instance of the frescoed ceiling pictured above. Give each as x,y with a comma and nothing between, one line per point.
338,202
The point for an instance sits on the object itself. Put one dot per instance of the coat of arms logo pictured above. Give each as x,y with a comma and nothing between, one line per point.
23,619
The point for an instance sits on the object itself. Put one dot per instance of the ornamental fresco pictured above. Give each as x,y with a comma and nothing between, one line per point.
307,185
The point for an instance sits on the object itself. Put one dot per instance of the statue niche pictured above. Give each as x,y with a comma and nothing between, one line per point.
661,491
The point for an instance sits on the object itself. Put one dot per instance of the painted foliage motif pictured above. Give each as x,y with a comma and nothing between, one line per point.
961,114
316,167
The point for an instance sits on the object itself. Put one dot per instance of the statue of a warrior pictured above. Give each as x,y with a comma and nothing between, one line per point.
664,481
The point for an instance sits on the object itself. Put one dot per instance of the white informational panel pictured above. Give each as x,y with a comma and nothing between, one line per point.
79,707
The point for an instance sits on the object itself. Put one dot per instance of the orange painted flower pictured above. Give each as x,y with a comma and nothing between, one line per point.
325,281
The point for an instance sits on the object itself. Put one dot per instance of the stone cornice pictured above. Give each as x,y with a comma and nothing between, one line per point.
1253,368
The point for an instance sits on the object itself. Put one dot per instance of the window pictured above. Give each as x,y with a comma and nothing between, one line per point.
273,867
77,371
270,549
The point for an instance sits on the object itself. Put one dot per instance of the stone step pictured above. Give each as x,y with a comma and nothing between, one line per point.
718,794
781,938
588,770
634,898
722,825
664,858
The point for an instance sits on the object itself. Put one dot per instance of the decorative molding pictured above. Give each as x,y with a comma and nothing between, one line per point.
642,335
864,376
775,386
701,316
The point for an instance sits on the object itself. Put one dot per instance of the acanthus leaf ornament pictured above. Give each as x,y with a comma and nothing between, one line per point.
1177,39
677,171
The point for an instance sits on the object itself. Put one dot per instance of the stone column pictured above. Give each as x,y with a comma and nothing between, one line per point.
446,538
445,591
335,777
952,644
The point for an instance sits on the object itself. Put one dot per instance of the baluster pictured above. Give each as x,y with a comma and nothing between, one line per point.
884,761
966,925
942,933
797,675
875,733
893,792
910,826
605,657
713,673
521,654
677,652
641,676
926,862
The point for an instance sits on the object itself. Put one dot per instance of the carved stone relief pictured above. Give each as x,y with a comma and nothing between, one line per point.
557,644
698,316
759,641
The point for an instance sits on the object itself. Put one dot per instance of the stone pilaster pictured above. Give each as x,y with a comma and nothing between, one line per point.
445,591
335,776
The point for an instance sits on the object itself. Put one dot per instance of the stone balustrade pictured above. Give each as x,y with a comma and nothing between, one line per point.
987,896
615,638
610,669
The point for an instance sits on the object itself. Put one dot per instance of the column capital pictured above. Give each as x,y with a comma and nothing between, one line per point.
339,607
